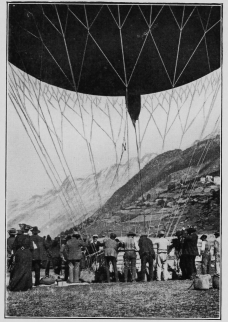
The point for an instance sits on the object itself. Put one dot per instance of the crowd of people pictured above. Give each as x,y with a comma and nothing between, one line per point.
27,251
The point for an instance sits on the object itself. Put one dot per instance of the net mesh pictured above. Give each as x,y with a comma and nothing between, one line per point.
48,113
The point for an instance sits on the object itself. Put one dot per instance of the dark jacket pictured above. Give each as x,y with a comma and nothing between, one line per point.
10,242
146,246
47,246
73,248
55,249
22,241
39,250
93,248
177,244
190,245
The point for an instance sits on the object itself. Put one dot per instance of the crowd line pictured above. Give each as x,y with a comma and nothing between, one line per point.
70,255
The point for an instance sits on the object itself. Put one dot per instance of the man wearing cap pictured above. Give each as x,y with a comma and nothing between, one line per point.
162,249
130,248
10,240
217,252
206,255
147,255
190,251
37,254
94,248
74,255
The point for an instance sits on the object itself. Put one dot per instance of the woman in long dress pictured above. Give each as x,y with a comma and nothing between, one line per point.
21,274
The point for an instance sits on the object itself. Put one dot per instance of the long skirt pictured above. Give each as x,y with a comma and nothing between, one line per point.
21,274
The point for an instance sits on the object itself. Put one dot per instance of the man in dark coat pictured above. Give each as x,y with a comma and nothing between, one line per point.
37,255
190,251
147,255
93,249
10,240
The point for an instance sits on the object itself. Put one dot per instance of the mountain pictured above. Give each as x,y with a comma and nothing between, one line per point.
173,194
51,216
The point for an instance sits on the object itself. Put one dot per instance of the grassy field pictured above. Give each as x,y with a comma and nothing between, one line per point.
170,299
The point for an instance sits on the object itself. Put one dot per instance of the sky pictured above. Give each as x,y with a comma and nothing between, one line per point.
88,133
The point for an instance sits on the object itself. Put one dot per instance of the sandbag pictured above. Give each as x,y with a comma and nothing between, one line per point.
47,280
215,281
87,275
202,282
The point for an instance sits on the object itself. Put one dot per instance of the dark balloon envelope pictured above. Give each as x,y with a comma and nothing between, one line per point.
115,50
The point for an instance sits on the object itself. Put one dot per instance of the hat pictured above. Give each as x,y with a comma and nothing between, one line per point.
191,230
113,235
35,229
131,233
178,233
76,233
203,237
95,236
161,232
25,227
12,231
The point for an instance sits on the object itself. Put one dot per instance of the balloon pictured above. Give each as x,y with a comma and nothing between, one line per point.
115,50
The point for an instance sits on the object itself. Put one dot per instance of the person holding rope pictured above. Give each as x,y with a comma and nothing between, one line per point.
110,252
74,256
147,255
37,254
93,250
206,255
130,248
177,244
190,251
63,256
162,249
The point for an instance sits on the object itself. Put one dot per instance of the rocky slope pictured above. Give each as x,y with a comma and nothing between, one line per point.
169,195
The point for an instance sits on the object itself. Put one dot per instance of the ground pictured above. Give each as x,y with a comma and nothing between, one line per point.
170,299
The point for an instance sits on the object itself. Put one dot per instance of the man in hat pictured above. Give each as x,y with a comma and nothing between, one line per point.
110,253
37,254
162,249
74,255
217,252
130,248
147,255
190,251
93,249
206,255
10,240
177,243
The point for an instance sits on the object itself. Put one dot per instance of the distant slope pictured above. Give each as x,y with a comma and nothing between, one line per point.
48,213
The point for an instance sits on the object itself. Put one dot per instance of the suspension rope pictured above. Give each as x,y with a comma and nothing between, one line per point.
44,156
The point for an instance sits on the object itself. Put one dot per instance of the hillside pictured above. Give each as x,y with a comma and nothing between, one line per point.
171,186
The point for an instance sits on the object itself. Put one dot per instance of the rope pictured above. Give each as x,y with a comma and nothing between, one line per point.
140,176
